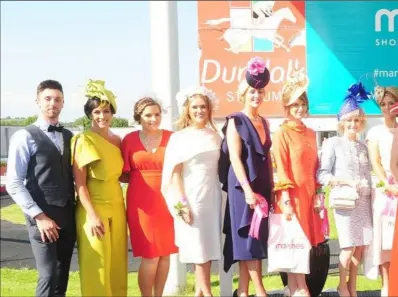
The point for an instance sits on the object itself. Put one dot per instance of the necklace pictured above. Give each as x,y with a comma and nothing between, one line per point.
149,139
255,118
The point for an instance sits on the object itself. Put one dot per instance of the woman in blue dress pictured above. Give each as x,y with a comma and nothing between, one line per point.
245,169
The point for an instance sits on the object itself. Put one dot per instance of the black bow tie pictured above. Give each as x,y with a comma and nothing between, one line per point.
53,128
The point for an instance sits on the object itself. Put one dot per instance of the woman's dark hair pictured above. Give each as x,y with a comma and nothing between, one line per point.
141,105
93,103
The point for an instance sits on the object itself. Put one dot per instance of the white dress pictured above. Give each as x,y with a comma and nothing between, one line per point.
383,137
198,151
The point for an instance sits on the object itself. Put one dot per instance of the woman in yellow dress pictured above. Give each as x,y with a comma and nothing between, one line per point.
100,214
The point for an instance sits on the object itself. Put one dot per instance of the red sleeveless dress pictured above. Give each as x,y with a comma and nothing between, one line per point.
150,223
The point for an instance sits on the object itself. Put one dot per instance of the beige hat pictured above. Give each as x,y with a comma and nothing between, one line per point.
294,87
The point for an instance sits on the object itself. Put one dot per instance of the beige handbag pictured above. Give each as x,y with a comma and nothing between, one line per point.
343,197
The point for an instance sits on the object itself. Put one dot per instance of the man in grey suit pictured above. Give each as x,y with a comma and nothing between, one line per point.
40,181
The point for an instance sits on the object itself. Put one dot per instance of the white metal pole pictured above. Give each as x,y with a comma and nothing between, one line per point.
225,277
165,84
165,59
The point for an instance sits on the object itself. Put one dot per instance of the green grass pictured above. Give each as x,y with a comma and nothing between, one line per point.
13,214
332,223
22,282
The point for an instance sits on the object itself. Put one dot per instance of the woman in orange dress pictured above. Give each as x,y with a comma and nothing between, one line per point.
393,284
296,158
150,222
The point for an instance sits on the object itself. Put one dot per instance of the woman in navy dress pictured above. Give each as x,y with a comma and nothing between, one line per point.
245,169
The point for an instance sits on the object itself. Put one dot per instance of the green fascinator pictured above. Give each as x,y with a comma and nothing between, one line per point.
96,88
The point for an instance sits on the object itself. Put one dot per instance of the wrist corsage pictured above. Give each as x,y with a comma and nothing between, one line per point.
381,186
319,199
179,207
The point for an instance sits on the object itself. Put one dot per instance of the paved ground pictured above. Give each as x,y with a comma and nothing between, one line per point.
15,246
16,251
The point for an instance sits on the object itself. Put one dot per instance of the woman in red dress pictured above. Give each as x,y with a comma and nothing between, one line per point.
150,222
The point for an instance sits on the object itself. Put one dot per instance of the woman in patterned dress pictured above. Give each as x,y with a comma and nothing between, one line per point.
345,161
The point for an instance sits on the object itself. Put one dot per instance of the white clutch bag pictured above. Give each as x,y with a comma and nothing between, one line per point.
343,197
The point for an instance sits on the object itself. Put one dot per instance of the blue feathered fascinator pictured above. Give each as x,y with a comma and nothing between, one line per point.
356,94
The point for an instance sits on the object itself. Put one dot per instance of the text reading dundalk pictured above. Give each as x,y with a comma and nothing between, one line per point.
213,71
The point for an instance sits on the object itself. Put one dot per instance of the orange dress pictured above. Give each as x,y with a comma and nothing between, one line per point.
150,222
296,159
393,284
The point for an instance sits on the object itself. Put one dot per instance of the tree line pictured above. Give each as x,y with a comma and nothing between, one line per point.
83,122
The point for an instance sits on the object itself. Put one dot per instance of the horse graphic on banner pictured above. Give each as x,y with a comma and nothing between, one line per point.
262,24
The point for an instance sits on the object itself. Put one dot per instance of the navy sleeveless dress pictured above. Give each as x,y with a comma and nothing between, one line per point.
238,215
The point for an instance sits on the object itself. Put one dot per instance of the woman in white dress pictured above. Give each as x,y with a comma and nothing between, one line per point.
394,151
191,186
393,288
380,140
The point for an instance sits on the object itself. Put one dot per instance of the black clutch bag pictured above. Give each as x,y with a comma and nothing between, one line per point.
319,269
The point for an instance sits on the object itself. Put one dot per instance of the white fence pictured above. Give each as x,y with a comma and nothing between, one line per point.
8,131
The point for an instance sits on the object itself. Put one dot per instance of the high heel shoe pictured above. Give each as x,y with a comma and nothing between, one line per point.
384,292
235,293
301,293
286,292
342,294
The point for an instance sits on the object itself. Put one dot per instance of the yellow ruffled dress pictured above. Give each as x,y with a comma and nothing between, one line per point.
103,262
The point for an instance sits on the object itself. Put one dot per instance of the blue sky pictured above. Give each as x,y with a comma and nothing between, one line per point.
74,41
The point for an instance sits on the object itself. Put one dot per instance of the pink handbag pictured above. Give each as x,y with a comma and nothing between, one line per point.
323,214
260,212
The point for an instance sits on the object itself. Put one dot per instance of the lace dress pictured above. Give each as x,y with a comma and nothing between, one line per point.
349,160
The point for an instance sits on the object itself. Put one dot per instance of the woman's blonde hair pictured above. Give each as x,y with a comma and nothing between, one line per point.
382,92
355,113
184,120
242,90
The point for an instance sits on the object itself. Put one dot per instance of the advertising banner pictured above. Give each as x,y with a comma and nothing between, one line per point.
336,43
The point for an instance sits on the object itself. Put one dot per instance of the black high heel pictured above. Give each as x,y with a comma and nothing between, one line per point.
235,293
